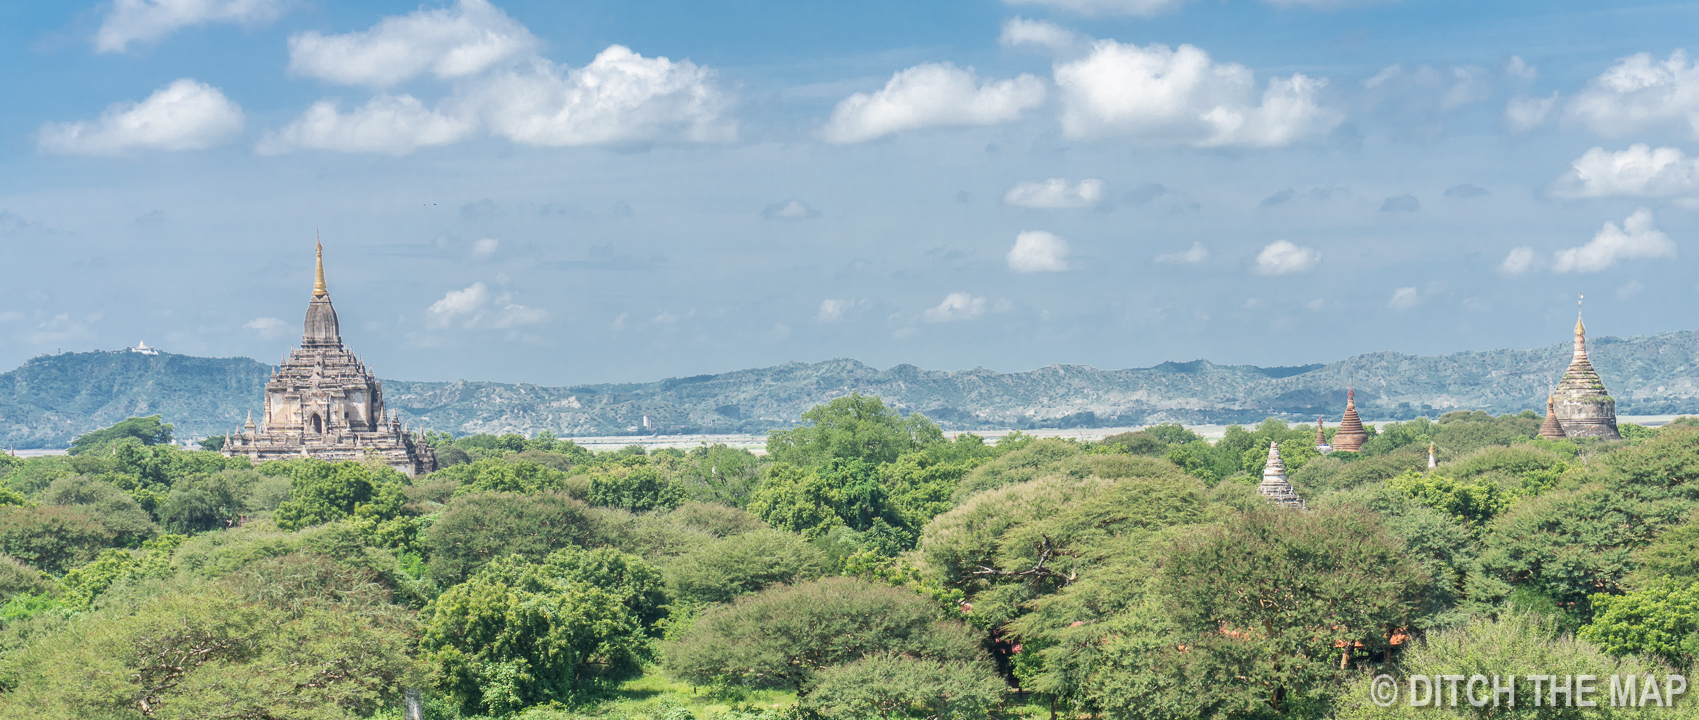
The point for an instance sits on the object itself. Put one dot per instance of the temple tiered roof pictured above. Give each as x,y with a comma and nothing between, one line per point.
1580,401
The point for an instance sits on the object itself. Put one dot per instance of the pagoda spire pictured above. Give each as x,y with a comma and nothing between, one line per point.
319,289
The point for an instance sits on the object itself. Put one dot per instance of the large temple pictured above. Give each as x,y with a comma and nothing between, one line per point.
322,402
1580,402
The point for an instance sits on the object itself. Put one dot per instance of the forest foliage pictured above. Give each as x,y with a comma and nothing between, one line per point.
865,566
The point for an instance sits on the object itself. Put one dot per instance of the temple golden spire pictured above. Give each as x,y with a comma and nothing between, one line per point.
319,289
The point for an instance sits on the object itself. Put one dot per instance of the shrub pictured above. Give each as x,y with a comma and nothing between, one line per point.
52,538
784,636
723,568
896,686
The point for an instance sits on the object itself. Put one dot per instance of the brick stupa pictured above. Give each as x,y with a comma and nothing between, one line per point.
1551,429
1350,436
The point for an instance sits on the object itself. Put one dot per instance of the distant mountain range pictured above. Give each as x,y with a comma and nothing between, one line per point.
51,399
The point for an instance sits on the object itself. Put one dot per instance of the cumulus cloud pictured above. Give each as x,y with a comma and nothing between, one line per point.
1638,171
448,42
1196,254
1180,96
620,97
144,21
1521,260
1056,193
476,307
956,306
931,95
1143,8
1021,32
1038,251
1404,298
267,327
1636,239
393,124
185,115
485,247
832,310
1639,93
790,210
1282,257
1524,113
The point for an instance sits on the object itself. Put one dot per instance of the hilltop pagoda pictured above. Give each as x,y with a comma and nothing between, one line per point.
1274,485
1580,401
1350,436
322,402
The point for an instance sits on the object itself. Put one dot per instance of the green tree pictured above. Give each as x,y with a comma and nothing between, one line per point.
321,492
897,686
724,568
129,524
1661,620
476,529
797,500
1473,502
1674,554
52,538
637,584
783,636
149,430
638,488
518,634
502,475
855,427
1271,595
296,638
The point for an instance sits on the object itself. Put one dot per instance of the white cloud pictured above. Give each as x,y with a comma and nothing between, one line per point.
1038,251
1196,254
1021,32
1144,8
1636,239
832,310
1638,171
448,42
956,306
1056,193
1638,93
1521,260
1282,257
185,115
144,21
485,247
1179,96
1404,298
475,307
1524,113
930,95
620,97
393,124
1316,305
267,327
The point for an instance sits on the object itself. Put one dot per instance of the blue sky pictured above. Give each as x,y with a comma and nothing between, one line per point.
599,191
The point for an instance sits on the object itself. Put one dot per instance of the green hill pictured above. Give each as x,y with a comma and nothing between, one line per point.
52,399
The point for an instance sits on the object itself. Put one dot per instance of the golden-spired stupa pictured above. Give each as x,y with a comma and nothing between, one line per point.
1580,402
322,402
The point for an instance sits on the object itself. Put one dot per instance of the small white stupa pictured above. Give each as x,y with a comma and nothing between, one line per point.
143,349
1274,485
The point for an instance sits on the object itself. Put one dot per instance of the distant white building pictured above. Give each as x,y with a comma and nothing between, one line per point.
142,348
